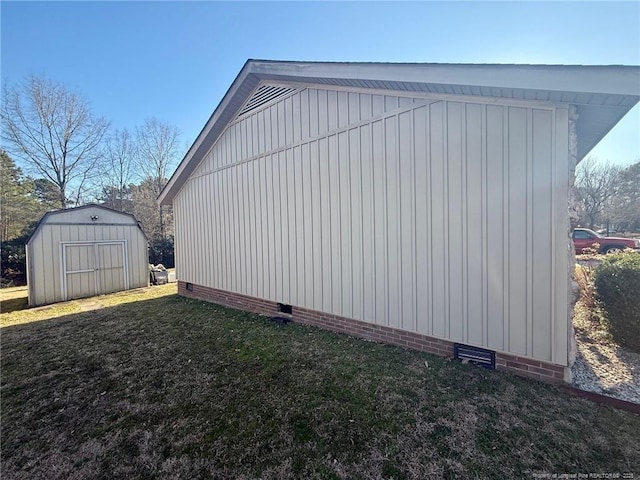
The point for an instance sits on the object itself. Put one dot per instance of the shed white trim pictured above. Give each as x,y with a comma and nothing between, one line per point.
99,287
85,251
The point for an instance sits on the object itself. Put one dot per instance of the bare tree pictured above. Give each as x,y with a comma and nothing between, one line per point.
596,184
52,130
145,209
119,169
625,206
158,150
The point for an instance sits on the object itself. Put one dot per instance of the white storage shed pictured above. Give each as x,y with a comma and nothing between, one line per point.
85,251
421,204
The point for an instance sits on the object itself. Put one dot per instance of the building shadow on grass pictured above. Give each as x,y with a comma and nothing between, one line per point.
171,387
13,304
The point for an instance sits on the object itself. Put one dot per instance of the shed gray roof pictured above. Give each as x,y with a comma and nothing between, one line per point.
602,94
48,215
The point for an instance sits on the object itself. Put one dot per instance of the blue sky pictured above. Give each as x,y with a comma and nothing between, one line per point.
175,60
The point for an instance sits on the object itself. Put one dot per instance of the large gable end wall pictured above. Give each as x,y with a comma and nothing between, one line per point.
398,199
286,119
375,201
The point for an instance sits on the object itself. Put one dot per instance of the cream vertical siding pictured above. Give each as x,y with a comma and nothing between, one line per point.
438,216
74,227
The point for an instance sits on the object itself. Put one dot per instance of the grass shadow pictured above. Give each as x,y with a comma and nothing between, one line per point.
172,387
13,299
13,304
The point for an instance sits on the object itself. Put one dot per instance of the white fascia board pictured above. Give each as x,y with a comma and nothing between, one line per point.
610,80
215,116
615,79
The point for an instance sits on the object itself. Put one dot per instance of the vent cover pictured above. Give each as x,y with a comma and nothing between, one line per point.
286,309
263,95
477,356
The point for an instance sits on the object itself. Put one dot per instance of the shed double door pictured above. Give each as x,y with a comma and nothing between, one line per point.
93,268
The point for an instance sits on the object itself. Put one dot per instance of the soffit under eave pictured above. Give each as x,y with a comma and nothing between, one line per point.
544,95
593,124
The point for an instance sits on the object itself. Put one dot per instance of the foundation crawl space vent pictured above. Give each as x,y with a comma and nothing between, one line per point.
477,356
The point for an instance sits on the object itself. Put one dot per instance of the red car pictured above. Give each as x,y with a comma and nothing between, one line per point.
585,238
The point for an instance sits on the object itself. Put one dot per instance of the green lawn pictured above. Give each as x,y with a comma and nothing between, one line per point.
153,385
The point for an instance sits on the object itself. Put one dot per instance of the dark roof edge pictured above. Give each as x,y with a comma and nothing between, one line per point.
551,65
443,72
196,143
82,207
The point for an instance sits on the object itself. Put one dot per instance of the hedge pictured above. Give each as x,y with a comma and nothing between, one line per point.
617,282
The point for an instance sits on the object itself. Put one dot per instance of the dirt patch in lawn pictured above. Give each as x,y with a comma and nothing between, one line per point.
167,387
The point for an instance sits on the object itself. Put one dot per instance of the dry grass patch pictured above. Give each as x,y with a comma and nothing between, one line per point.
589,320
167,387
14,309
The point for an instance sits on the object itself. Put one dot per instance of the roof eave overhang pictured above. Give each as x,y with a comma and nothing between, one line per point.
181,173
618,86
574,78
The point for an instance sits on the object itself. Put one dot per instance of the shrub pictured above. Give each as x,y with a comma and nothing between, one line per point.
161,251
13,260
617,281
